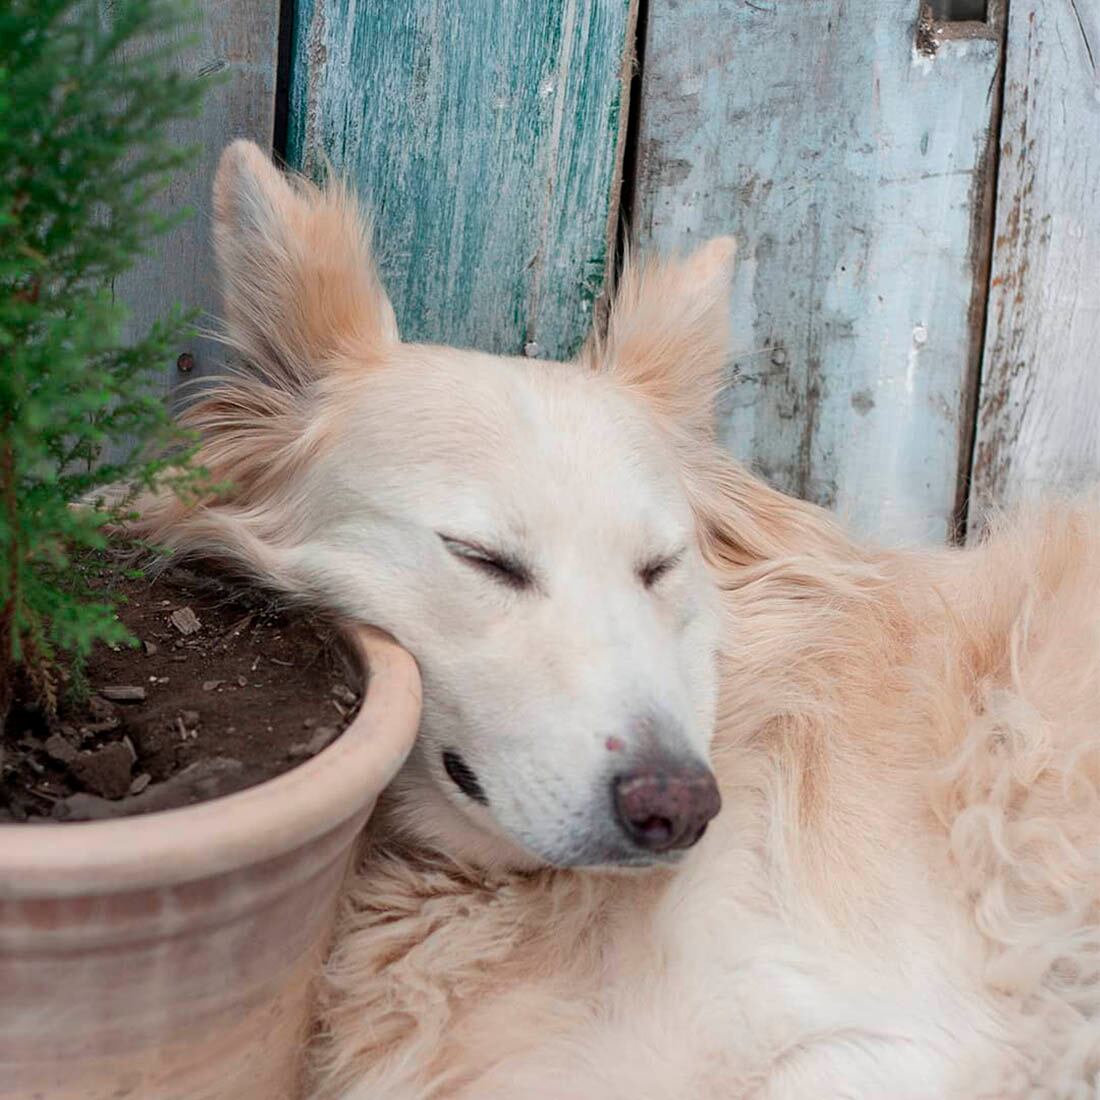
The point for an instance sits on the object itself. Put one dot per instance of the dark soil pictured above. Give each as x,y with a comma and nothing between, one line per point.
225,690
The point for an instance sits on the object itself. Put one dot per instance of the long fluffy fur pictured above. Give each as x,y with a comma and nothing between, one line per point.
947,702
900,733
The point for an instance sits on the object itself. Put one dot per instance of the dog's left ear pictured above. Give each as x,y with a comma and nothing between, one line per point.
668,335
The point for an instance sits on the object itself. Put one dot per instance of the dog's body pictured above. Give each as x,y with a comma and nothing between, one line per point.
897,901
900,896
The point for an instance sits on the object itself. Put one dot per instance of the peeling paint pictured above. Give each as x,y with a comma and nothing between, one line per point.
488,147
863,402
859,250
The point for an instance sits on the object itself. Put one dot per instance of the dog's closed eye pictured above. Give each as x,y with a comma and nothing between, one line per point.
652,571
502,567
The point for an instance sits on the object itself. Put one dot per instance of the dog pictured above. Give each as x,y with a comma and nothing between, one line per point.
709,800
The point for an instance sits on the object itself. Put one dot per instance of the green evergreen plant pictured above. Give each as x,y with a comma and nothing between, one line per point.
88,89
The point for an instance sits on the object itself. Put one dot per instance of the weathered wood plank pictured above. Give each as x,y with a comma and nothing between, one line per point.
1039,415
486,139
848,163
238,39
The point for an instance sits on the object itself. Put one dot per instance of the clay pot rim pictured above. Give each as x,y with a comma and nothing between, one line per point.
227,833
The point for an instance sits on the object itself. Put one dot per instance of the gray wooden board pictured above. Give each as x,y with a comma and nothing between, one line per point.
1039,413
238,38
848,163
486,139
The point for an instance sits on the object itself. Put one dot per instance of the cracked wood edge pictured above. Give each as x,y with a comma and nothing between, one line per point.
1039,409
238,41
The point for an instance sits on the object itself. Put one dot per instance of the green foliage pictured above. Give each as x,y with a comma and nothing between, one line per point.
86,96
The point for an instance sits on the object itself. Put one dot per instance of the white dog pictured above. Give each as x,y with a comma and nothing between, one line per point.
899,897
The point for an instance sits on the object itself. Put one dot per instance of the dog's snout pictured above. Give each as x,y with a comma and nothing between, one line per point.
665,808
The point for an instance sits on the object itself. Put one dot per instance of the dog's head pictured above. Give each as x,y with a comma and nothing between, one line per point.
528,530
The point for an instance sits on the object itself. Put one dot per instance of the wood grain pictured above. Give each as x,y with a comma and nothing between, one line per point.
238,39
487,142
1039,413
849,164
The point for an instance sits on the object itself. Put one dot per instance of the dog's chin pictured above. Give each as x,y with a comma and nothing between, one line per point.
594,849
494,848
596,856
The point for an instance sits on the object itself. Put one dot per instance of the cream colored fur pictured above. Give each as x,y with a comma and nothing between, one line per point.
900,897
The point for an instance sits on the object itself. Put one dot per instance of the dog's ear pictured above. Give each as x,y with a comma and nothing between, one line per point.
299,285
668,334
301,296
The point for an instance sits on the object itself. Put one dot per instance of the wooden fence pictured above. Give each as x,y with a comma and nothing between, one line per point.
915,187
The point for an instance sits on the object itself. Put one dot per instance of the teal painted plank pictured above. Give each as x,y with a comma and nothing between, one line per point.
1039,418
487,140
237,42
847,163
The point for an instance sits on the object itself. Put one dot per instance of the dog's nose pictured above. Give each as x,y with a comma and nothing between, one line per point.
665,808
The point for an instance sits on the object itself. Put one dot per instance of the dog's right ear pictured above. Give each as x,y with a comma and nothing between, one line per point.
668,335
299,284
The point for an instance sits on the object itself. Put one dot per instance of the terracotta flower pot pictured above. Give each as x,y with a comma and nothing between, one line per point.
171,956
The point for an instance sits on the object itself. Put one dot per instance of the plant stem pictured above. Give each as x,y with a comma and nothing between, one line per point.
7,612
